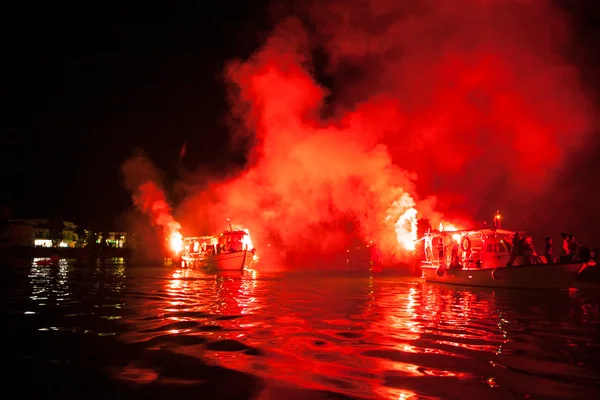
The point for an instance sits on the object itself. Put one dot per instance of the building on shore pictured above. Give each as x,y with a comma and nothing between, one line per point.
46,232
120,240
70,238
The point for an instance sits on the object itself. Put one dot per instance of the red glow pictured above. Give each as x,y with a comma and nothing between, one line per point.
479,90
455,103
458,97
150,199
176,242
247,239
314,186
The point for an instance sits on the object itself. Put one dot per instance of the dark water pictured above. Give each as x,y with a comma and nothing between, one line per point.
112,331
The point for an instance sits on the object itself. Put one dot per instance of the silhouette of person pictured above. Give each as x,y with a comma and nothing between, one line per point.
565,245
529,254
573,247
549,251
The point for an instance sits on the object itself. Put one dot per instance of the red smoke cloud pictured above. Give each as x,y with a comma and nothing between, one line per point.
313,186
480,103
453,107
143,181
150,199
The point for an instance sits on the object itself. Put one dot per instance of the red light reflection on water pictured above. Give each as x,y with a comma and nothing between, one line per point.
136,374
348,333
362,337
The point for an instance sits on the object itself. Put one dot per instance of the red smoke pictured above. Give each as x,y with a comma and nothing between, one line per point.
142,180
479,101
150,199
453,107
313,186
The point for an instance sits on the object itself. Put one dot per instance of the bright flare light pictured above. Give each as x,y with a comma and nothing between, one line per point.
406,229
497,219
450,228
246,240
176,242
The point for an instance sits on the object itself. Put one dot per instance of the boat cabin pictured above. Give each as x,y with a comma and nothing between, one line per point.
469,249
232,241
202,246
205,246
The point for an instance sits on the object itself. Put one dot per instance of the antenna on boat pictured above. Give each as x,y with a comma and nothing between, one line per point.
229,222
497,219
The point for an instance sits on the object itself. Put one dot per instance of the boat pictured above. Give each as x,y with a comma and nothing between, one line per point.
231,251
484,257
52,260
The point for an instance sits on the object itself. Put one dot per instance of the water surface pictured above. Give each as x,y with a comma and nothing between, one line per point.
118,331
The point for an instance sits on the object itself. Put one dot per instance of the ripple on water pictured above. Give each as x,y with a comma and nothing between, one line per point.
173,326
177,340
182,333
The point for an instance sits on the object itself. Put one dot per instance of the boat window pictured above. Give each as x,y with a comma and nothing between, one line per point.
490,247
500,248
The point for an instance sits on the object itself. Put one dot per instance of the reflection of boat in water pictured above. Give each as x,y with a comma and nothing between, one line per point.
53,260
487,257
231,251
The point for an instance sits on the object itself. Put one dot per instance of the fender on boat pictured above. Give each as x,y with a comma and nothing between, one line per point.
439,271
494,276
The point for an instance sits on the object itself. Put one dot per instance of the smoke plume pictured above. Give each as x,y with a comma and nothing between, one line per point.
434,109
313,186
144,181
475,97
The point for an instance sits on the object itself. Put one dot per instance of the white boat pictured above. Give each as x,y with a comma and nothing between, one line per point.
231,251
484,257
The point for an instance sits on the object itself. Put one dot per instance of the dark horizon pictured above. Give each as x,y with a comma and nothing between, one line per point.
85,90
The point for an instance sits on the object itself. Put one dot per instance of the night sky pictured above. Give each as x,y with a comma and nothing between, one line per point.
84,87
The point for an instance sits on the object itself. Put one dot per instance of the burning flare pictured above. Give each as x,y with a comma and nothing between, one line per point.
450,228
406,229
404,213
176,242
247,240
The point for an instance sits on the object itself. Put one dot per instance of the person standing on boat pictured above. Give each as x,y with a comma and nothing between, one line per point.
573,247
529,254
565,245
517,248
454,259
549,252
428,245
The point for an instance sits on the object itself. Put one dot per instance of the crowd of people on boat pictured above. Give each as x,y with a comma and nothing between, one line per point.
522,246
213,246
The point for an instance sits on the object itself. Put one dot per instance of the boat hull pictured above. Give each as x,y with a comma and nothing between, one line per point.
221,262
538,276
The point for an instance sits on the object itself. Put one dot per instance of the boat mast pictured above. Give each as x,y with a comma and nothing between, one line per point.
497,219
229,222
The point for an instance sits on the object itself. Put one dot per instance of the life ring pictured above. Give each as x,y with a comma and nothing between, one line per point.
465,244
439,271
